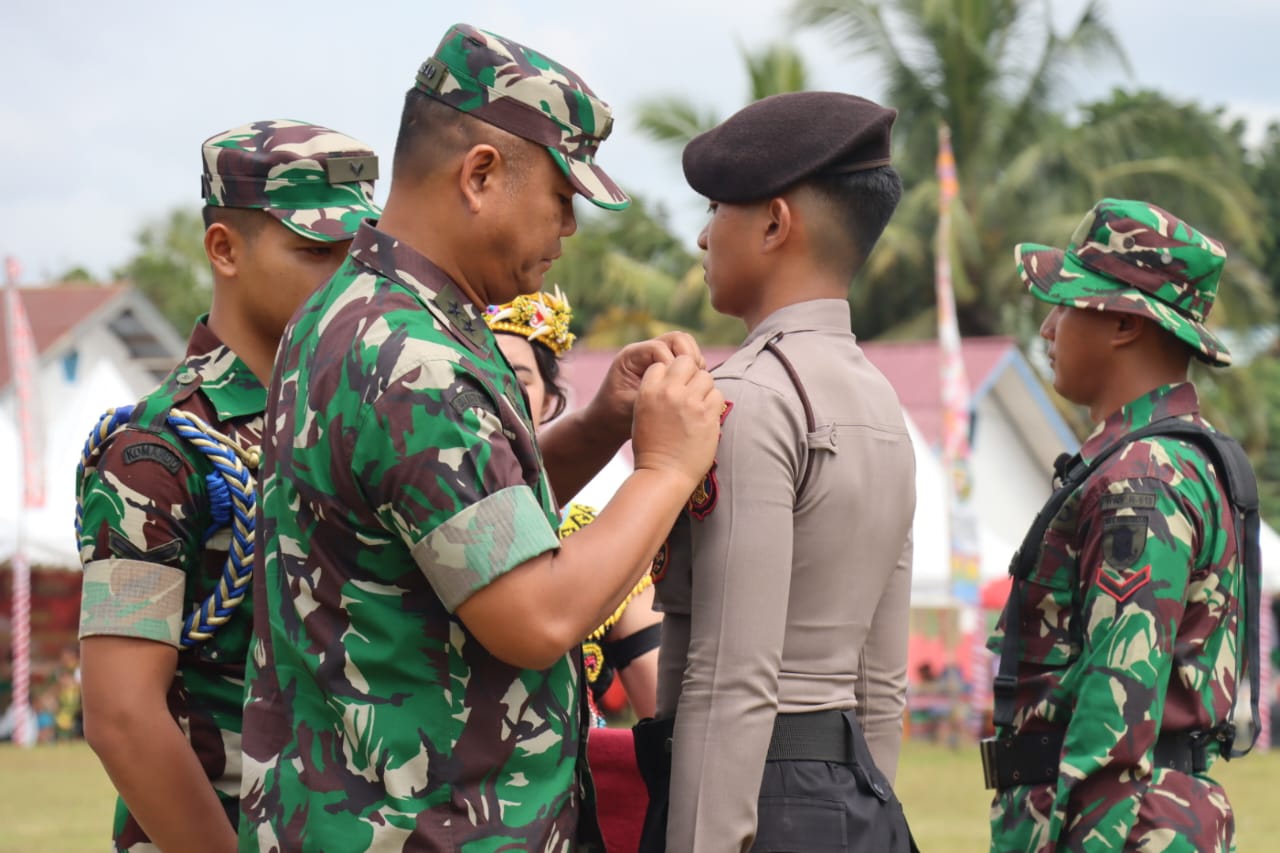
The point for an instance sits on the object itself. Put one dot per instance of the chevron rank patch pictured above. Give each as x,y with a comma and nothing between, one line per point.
1121,586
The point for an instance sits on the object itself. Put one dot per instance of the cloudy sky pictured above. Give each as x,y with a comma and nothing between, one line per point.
104,105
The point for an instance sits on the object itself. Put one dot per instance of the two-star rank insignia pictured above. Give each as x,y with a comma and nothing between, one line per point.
705,497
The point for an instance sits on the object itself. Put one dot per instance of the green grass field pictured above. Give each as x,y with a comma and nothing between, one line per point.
56,798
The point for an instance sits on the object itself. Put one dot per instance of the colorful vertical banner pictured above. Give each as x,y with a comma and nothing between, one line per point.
22,366
956,405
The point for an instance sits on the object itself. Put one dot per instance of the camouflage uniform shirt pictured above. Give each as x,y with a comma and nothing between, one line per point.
1129,628
401,476
152,552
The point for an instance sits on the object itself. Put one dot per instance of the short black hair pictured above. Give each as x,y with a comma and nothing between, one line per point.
432,132
861,205
248,221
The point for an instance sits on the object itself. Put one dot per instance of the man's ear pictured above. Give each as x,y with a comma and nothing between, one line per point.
477,175
224,246
778,223
1129,328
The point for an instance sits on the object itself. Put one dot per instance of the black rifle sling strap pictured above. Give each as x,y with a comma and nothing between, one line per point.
1237,475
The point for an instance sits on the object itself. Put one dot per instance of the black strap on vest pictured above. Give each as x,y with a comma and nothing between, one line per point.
1233,467
810,423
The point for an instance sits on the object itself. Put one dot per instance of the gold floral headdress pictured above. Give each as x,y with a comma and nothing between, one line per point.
540,317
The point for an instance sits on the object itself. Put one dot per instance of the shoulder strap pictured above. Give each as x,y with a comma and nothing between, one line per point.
810,423
1233,466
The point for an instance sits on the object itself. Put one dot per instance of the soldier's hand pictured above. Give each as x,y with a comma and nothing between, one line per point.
613,409
677,419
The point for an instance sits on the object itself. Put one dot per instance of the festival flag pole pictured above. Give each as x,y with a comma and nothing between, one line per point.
956,417
22,362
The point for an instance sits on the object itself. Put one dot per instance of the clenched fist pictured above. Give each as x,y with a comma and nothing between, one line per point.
677,419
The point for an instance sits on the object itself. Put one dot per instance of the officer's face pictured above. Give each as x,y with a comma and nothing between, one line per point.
1079,348
729,268
527,219
519,351
279,270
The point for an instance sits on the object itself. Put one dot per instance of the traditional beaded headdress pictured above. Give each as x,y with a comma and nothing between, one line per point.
540,317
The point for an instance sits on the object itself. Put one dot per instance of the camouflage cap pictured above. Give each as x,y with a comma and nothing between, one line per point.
530,95
316,181
1136,258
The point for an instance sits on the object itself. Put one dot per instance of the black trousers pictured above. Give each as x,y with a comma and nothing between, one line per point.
805,806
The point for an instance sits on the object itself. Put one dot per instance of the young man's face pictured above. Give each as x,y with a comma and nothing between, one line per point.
279,270
1079,351
730,240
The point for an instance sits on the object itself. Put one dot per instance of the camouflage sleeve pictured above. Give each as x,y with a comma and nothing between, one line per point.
138,535
438,465
1139,542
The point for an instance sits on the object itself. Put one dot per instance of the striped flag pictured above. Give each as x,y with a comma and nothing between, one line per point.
956,405
22,364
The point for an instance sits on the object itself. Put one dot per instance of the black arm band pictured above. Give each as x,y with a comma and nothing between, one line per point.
619,653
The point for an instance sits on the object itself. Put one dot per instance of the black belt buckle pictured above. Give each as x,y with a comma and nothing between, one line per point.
989,749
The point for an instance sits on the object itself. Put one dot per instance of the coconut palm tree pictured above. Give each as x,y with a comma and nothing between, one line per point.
994,71
674,119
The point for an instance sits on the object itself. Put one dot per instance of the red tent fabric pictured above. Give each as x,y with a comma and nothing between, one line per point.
995,593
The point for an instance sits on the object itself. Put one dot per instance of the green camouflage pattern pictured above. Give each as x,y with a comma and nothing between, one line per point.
316,181
531,95
1136,258
149,557
401,476
1129,628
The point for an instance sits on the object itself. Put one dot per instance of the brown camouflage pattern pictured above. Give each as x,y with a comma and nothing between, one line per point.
1129,628
143,544
526,93
1136,258
401,475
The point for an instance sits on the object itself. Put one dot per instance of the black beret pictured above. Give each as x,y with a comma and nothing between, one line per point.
767,147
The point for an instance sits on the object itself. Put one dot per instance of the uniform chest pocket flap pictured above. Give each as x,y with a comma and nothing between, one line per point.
1049,604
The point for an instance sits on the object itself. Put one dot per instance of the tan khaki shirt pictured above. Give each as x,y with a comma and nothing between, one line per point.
778,602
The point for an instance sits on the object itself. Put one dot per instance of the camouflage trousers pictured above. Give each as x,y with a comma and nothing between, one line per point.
1178,813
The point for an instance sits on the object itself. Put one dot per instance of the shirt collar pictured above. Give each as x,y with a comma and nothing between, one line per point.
812,315
221,376
1167,401
389,258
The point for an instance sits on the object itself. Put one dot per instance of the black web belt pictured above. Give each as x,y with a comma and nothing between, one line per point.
816,736
1033,758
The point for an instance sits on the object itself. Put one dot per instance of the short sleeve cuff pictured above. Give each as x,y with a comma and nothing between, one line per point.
132,598
483,542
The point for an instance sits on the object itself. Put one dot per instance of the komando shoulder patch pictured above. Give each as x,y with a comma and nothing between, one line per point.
153,451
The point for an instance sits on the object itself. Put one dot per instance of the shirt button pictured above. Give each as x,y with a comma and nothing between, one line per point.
187,376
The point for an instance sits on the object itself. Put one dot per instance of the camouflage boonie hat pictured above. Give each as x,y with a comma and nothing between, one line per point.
530,95
316,181
1135,258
